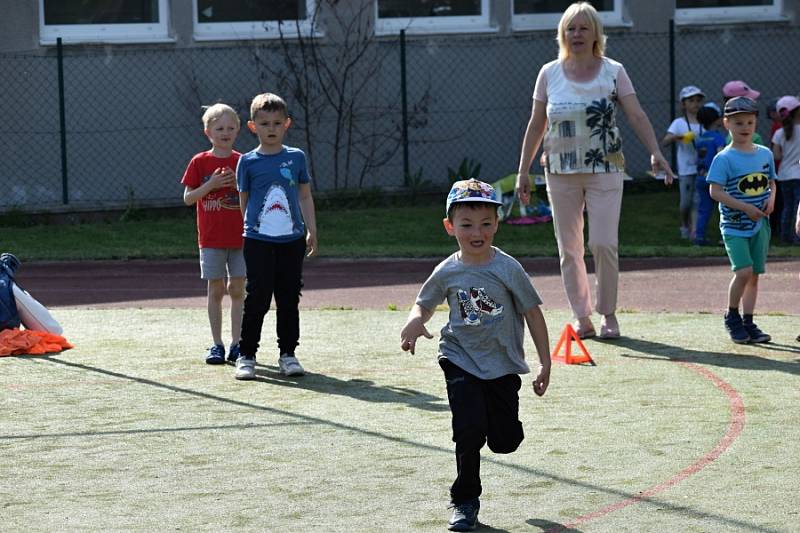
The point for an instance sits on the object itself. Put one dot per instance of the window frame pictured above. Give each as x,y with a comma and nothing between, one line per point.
255,29
149,32
727,15
431,25
549,21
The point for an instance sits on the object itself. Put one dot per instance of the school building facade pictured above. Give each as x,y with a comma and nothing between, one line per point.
104,105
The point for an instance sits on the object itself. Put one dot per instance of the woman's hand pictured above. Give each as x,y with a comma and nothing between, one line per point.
523,188
659,164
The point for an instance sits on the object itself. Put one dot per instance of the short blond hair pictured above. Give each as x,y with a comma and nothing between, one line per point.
586,9
214,112
267,102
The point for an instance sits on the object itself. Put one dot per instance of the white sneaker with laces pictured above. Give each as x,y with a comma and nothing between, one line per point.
290,366
245,368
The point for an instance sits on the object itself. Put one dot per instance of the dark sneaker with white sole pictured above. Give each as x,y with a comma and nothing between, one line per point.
216,355
735,327
755,333
465,515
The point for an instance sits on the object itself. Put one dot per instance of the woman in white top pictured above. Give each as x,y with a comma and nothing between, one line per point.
574,110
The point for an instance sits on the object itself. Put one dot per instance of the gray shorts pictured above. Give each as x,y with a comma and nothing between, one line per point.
689,196
216,262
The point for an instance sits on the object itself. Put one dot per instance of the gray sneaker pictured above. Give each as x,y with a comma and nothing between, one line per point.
290,366
245,368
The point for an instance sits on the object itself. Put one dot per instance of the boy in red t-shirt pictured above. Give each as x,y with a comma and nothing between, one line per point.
210,182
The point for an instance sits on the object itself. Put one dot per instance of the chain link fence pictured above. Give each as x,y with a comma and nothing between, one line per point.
132,116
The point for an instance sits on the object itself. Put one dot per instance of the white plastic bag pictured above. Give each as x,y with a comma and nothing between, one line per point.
33,314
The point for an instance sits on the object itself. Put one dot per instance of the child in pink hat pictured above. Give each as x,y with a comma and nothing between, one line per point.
739,88
786,146
735,88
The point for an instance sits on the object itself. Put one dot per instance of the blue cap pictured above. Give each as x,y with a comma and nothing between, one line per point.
740,104
471,190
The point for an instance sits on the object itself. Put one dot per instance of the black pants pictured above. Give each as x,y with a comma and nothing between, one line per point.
272,269
483,411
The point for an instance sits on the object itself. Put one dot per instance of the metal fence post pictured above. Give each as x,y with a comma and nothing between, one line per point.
404,100
672,90
62,122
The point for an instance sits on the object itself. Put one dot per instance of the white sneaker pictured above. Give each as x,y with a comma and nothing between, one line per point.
290,366
245,368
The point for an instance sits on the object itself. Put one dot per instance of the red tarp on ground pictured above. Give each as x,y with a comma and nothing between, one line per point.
31,342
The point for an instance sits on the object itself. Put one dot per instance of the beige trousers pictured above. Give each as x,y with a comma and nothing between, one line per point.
601,194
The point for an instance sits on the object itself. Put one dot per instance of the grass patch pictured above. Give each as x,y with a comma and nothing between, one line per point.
648,228
114,436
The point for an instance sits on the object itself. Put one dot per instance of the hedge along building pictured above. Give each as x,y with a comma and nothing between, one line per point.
124,119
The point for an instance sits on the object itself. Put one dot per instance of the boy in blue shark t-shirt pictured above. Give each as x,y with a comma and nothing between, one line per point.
742,180
279,227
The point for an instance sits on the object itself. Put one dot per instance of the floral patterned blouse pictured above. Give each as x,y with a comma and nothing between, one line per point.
582,134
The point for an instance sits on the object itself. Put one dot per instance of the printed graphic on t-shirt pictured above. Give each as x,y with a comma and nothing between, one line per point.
275,218
287,174
753,184
475,305
219,200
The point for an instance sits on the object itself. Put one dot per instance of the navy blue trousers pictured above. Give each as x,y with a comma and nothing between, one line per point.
273,269
484,412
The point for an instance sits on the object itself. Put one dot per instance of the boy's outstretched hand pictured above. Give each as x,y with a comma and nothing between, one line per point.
542,381
414,329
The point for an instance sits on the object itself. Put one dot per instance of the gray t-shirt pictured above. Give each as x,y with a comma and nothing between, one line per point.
484,334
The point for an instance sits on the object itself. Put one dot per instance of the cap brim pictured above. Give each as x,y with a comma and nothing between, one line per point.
476,199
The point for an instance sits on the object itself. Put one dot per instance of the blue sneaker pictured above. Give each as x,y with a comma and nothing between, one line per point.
216,355
755,333
735,327
233,353
465,516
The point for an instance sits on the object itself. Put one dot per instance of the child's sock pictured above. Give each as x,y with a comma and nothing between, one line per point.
748,319
734,311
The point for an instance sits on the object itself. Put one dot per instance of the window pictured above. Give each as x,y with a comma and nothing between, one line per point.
725,11
432,16
545,14
120,21
251,19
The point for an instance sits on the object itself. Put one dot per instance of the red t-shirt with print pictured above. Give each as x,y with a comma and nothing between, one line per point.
219,219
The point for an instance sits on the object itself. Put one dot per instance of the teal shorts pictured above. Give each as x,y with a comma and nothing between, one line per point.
749,251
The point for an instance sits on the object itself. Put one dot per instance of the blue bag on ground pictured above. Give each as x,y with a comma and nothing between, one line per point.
9,316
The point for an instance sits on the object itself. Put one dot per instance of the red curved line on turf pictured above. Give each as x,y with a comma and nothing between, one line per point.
734,430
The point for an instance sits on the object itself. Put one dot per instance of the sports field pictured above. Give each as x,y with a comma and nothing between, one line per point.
675,429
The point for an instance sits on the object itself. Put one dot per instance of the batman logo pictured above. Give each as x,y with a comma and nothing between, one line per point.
753,184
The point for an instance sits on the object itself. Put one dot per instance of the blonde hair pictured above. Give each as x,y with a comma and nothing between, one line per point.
587,10
267,102
214,112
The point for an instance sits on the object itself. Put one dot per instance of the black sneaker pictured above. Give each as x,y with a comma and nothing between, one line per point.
735,328
465,516
216,355
755,333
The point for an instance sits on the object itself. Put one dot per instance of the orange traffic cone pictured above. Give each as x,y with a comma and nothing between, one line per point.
567,337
